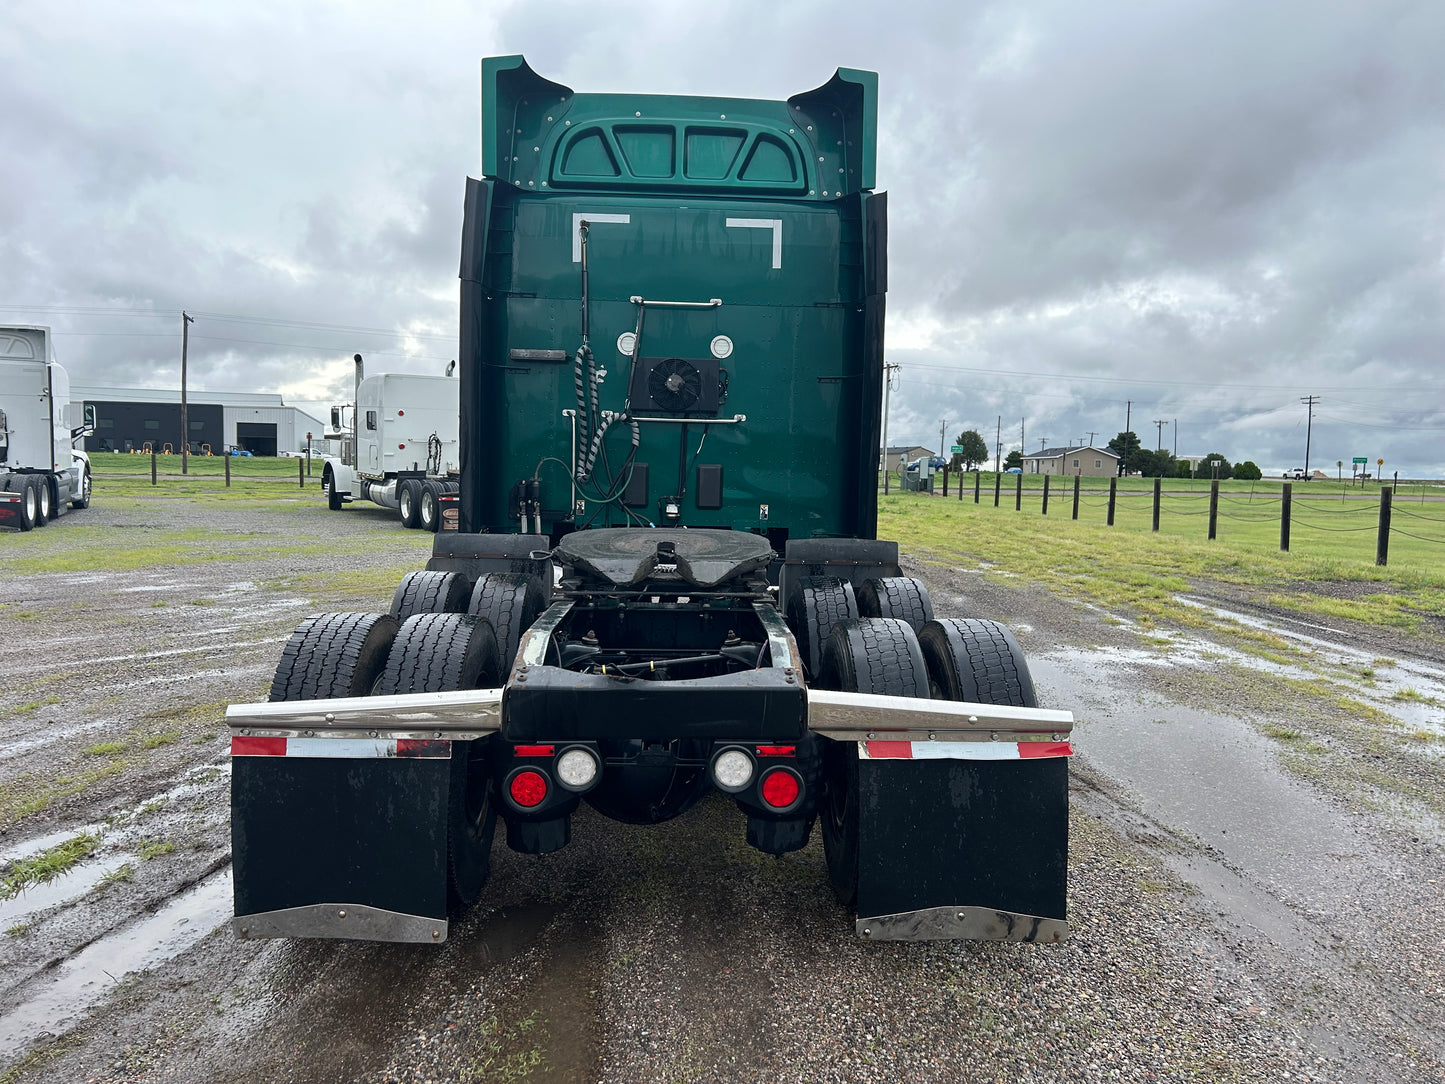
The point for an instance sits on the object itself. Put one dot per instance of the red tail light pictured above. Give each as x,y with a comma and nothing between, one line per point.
528,788
780,788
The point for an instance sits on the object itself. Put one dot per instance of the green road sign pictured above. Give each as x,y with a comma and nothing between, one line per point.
1361,460
957,449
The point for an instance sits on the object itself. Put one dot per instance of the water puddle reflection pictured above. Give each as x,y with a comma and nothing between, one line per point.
59,997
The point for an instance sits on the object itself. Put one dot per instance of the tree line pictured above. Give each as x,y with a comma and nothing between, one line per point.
1134,458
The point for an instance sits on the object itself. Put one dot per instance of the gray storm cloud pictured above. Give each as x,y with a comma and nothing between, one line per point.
1208,210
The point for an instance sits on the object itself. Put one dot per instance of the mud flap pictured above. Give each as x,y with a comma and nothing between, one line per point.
962,848
340,847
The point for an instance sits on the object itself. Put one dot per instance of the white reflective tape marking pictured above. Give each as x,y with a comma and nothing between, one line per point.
961,750
774,224
579,218
965,750
340,748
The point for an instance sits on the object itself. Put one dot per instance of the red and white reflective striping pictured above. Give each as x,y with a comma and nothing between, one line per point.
963,750
341,748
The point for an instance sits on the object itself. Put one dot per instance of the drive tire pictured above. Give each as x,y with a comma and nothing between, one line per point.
42,501
977,661
896,596
471,823
818,605
337,654
430,592
441,652
510,602
872,655
429,514
444,652
28,502
408,502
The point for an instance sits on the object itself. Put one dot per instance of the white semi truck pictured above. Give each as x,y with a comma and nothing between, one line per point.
42,474
398,447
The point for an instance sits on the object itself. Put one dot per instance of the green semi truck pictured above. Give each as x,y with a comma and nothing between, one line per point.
667,581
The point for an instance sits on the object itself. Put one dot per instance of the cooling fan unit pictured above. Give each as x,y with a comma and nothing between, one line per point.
686,386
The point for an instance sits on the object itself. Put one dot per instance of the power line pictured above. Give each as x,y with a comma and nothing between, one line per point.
240,318
1127,381
1385,425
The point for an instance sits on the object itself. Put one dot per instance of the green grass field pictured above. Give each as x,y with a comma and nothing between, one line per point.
1129,563
116,474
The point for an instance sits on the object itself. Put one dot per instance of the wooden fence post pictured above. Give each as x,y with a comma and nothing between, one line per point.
1076,496
301,474
977,481
1158,485
153,466
1382,541
228,470
997,482
1213,507
1018,492
1286,496
1113,489
945,480
1046,494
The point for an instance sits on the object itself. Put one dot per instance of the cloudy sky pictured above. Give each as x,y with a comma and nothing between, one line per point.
1207,210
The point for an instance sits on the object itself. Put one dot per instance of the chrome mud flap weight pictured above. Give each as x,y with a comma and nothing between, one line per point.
351,921
969,923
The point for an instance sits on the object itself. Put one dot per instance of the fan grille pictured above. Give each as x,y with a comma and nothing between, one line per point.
674,384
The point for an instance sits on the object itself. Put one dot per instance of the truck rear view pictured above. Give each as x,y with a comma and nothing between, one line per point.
667,581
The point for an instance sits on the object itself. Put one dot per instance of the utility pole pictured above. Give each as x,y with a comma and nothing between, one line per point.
1128,413
186,322
1091,437
1022,443
942,437
888,371
1309,401
1158,434
1176,438
998,445
1042,441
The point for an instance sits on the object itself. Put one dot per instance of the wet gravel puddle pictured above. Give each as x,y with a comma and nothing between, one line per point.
1311,889
59,998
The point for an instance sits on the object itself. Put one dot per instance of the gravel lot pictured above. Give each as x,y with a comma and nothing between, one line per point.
673,953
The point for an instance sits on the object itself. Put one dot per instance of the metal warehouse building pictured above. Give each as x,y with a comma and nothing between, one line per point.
144,419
